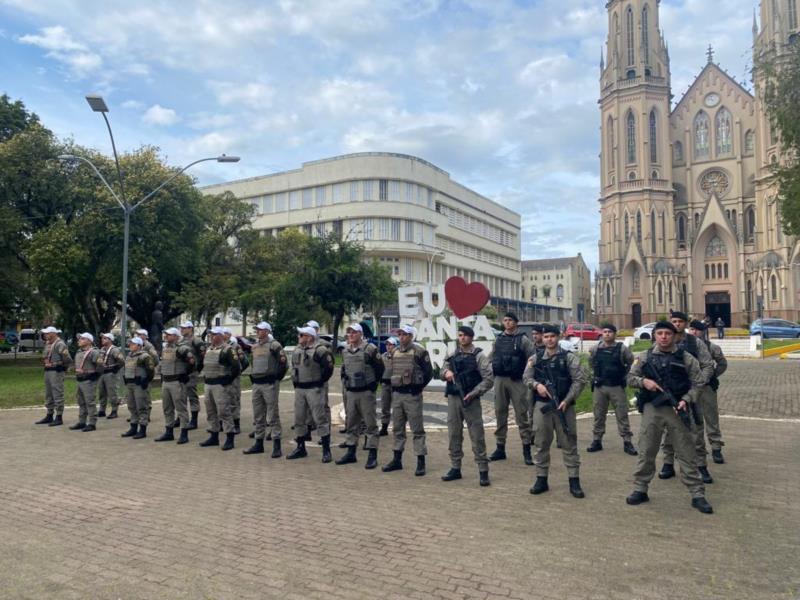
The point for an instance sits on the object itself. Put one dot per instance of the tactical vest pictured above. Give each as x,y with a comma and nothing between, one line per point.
689,343
87,360
213,369
107,357
266,367
359,375
554,371
53,353
134,369
172,367
151,350
540,351
406,372
508,357
668,371
387,368
467,373
306,369
608,367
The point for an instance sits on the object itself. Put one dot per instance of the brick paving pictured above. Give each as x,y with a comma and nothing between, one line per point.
96,516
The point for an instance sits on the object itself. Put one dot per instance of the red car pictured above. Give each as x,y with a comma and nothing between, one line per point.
586,331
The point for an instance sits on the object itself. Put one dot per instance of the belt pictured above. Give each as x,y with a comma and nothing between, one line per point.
309,385
262,380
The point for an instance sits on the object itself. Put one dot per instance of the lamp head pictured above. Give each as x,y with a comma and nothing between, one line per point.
224,158
97,103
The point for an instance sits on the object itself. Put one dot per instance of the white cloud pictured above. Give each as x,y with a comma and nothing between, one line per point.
158,115
65,49
133,105
251,95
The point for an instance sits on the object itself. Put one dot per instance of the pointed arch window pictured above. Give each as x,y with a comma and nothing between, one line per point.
635,278
773,287
639,226
748,298
723,128
669,293
749,142
627,229
608,294
630,134
630,33
653,231
660,293
610,128
653,138
750,224
701,135
684,298
681,228
645,35
716,247
677,153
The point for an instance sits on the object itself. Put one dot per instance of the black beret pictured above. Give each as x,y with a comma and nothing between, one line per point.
512,316
699,325
676,314
467,330
665,325
551,329
537,328
610,326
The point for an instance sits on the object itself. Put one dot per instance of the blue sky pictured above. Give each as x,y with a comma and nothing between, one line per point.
502,94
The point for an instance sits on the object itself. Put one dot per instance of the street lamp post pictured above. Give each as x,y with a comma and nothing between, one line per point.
98,105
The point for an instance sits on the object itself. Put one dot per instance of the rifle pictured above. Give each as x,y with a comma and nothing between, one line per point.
456,388
552,405
667,397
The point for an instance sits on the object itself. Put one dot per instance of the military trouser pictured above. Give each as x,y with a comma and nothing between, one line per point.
173,398
138,403
311,401
511,391
218,407
668,446
407,408
54,392
311,423
235,390
710,410
601,397
654,422
191,393
108,390
547,426
386,403
87,402
360,411
457,415
266,415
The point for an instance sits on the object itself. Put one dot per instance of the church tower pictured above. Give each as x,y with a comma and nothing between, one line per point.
636,160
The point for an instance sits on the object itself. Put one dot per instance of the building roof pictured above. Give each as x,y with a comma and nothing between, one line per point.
547,264
711,66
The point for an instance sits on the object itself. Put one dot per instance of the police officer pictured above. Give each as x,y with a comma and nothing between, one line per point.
468,373
699,351
611,360
511,351
139,371
312,425
556,379
236,385
113,361
148,346
312,367
220,368
57,360
411,372
361,370
537,331
386,386
666,368
268,368
88,367
198,347
177,361
709,408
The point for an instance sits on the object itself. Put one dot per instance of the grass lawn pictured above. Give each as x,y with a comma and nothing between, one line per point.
768,344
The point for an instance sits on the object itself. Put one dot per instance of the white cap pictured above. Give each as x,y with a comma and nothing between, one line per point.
172,331
187,324
50,329
227,330
313,324
142,332
393,341
136,340
109,336
307,331
408,329
355,327
264,325
217,330
86,336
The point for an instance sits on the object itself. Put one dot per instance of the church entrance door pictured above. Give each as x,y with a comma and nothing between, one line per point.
636,315
718,304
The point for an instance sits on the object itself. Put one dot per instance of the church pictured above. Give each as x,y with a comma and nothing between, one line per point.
689,218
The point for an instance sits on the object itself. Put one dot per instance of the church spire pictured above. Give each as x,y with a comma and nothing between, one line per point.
710,54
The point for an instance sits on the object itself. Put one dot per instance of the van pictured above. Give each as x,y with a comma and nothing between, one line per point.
30,340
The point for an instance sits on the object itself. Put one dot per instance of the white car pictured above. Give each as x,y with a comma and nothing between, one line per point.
645,332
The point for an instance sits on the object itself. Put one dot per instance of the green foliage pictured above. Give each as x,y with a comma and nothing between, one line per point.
14,118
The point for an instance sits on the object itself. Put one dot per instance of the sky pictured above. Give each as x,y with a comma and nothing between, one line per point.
502,94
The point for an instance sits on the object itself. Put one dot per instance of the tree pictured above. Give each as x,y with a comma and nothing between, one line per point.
14,118
546,289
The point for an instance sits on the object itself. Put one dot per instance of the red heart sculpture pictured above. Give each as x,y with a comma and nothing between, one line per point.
465,300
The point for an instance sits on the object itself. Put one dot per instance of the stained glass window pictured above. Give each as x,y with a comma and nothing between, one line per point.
701,132
723,130
716,247
630,126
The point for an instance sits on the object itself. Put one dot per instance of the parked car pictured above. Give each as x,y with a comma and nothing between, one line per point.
30,340
585,331
645,332
775,328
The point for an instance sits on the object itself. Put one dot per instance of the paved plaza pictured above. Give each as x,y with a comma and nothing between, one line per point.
91,515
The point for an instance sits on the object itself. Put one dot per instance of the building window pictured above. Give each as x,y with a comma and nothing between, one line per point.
612,163
750,224
409,231
645,36
336,229
630,128
353,191
308,198
681,228
708,271
630,35
280,202
664,233
559,292
396,230
725,266
639,226
368,229
534,293
608,294
701,133
773,287
716,247
792,13
394,191
660,293
319,195
383,190
627,229
653,231
635,278
723,131
697,220
669,293
269,204
677,153
294,199
749,142
653,138
338,193
383,229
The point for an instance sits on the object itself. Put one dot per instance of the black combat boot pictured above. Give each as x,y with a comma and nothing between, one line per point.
213,440
420,466
48,418
595,446
717,456
256,448
526,454
384,430
575,487
77,426
193,421
113,414
276,448
326,448
300,451
372,459
396,464
627,448
637,497
101,412
131,431
667,471
499,453
348,457
237,426
184,438
540,485
484,478
228,445
142,433
702,505
89,427
452,475
58,420
707,478
167,436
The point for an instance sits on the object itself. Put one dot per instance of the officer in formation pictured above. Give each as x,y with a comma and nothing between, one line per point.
148,346
707,403
411,372
697,348
269,365
311,424
537,332
312,367
510,354
139,371
556,379
668,379
220,367
177,362
88,367
198,348
362,369
113,360
611,360
56,361
468,373
386,386
236,385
